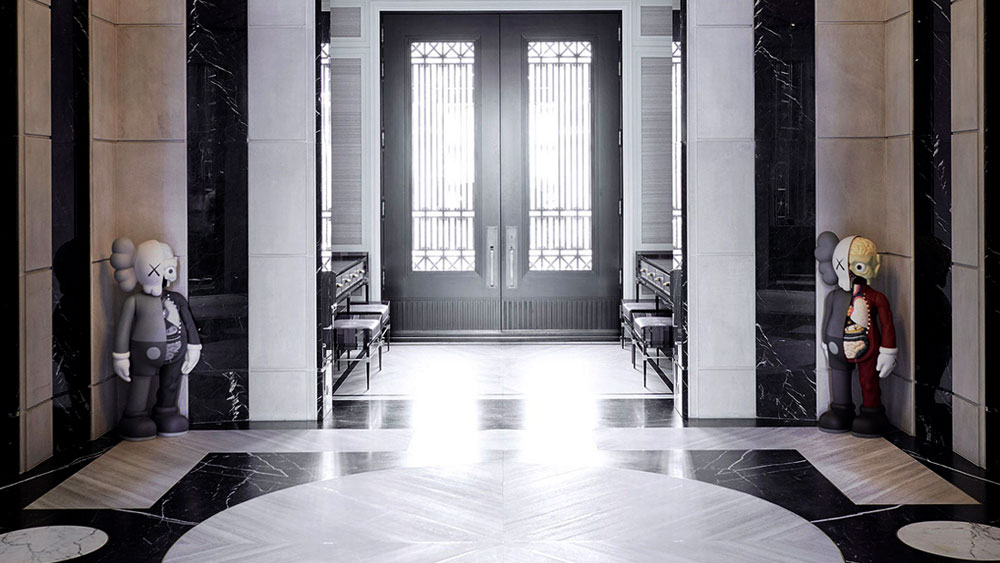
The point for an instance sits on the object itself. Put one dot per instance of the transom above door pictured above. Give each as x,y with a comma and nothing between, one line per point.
501,171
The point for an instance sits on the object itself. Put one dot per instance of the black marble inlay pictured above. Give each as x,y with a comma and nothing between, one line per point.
70,224
323,282
991,208
679,224
863,533
785,171
10,379
932,218
217,207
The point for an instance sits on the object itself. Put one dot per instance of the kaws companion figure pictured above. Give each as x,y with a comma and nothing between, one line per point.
857,331
155,336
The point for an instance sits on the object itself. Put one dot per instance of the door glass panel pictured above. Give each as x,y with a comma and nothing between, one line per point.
443,146
559,151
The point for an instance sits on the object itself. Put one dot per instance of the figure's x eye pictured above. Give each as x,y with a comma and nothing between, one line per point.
153,270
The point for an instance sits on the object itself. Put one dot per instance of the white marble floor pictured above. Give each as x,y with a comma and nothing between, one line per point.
48,544
507,511
503,370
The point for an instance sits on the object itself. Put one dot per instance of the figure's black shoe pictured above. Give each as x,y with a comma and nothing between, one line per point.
169,422
137,428
870,423
838,419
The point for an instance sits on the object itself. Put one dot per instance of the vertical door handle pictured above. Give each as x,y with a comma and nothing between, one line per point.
511,257
491,263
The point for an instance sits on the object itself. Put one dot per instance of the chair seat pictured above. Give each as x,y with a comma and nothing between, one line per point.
653,322
631,306
368,308
356,324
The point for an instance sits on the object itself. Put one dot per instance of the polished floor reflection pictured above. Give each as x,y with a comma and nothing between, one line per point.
552,469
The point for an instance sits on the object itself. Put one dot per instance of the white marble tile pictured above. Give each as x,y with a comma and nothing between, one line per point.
37,203
282,395
897,396
37,70
899,76
104,295
850,194
895,8
38,337
103,227
280,81
278,184
50,543
724,12
725,191
968,541
966,237
104,411
965,429
896,281
566,508
284,13
152,84
898,219
725,393
151,192
850,80
37,423
151,12
103,80
850,11
282,313
966,37
966,339
724,334
724,79
104,9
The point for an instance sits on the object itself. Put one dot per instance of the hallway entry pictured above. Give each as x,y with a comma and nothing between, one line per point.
501,174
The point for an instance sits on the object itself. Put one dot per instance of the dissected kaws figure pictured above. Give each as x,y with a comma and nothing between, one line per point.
155,336
857,331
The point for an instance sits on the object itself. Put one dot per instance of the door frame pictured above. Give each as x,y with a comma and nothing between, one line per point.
629,109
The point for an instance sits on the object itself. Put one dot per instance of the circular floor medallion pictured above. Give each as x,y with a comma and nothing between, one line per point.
47,544
506,511
960,540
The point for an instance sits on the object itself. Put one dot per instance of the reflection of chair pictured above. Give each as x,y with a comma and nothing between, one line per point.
629,309
652,332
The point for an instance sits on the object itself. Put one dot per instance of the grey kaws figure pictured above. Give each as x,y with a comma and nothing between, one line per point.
155,337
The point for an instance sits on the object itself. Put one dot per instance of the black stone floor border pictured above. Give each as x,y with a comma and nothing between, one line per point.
221,480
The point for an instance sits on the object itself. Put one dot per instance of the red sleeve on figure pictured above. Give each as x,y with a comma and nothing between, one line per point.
888,330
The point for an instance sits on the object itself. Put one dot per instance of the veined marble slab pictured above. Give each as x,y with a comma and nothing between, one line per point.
868,471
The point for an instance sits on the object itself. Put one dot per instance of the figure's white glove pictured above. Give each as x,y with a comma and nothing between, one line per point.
191,358
886,361
121,363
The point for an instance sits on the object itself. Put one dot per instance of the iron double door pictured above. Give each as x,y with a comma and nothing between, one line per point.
501,174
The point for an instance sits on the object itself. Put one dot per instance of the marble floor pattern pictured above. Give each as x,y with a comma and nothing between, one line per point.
502,370
547,472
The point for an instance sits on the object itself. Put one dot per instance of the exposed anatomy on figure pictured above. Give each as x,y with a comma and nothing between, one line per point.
858,331
155,337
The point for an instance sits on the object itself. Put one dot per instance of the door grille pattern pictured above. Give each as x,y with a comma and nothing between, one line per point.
443,148
559,155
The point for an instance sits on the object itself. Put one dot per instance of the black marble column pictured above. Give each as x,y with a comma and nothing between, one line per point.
991,208
70,224
932,218
217,207
10,379
679,225
785,172
323,282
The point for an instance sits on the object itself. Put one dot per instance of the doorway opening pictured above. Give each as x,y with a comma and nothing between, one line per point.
502,175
